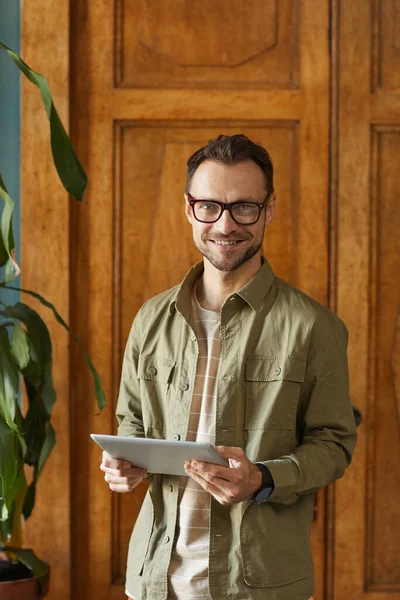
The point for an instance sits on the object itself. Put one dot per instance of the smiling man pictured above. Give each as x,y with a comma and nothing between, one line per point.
239,358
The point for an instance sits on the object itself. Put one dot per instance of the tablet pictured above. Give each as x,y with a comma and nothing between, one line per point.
158,456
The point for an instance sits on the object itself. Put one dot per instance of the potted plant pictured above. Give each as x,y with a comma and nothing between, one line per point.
27,436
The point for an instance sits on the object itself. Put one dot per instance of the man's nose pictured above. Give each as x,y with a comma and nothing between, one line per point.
225,223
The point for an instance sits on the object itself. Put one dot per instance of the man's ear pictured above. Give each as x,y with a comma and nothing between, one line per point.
188,208
270,210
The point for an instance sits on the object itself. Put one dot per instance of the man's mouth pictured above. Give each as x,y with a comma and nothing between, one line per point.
226,242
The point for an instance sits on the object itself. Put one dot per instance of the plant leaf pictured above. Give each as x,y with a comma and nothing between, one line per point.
11,527
19,422
8,465
33,370
36,327
39,567
7,244
69,169
8,380
99,392
20,346
40,339
34,428
29,500
38,437
48,445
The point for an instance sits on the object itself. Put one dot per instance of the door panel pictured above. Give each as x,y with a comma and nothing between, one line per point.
383,471
179,43
366,563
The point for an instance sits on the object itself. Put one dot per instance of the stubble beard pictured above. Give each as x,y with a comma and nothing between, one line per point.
229,263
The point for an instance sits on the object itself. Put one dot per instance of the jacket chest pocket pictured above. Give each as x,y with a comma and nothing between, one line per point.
272,392
155,375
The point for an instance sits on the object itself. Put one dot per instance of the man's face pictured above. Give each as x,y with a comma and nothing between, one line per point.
229,183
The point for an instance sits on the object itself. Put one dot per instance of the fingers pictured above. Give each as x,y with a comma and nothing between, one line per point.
114,463
223,491
120,468
120,474
131,472
226,484
122,484
214,473
231,452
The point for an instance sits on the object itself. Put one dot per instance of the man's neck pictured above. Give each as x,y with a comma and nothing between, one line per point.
215,286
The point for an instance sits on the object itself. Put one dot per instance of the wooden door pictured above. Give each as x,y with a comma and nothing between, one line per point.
366,219
151,83
148,82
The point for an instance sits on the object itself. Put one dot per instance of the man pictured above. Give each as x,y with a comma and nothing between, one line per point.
237,357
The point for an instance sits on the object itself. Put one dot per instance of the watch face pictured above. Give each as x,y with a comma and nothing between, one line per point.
263,495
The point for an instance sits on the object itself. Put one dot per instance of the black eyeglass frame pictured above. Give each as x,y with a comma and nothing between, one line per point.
228,206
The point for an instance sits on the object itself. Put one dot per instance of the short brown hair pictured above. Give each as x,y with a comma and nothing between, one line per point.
231,149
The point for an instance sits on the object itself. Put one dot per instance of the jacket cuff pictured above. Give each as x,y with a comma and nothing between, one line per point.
284,473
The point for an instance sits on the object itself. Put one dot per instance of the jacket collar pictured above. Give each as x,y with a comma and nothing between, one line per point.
253,292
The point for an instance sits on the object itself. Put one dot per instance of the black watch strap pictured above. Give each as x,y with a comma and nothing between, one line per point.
267,485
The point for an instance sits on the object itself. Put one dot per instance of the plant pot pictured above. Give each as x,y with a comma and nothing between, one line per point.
18,583
22,589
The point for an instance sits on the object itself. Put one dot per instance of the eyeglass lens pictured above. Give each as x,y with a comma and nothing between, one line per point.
243,212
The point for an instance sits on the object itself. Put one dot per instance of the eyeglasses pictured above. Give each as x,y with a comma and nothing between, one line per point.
243,213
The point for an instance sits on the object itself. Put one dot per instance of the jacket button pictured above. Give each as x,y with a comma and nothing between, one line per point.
166,539
184,387
176,437
152,370
277,371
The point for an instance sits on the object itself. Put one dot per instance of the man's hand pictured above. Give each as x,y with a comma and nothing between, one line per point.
230,484
120,474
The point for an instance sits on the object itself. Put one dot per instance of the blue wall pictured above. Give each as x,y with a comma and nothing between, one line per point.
10,119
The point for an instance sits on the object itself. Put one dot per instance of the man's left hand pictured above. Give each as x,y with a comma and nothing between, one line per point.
230,484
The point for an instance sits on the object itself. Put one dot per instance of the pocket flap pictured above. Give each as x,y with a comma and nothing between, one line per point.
288,369
155,368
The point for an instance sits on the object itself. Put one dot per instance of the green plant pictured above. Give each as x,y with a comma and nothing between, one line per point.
26,355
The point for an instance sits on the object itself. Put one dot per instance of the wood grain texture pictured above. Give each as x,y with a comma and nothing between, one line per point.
135,119
386,45
238,104
384,445
249,29
352,280
330,493
135,144
92,283
179,43
367,290
312,239
291,106
45,268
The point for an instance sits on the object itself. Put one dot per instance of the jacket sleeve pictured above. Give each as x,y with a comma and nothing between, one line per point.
129,406
325,421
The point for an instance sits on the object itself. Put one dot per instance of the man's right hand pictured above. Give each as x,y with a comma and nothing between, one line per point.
120,474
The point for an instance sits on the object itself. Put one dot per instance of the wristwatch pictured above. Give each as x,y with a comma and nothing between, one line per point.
267,484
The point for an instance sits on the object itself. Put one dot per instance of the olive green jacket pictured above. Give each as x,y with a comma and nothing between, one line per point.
282,395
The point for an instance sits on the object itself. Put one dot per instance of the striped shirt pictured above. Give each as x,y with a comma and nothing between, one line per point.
188,570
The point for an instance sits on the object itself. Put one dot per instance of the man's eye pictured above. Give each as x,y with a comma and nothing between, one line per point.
208,206
245,207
